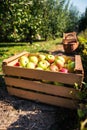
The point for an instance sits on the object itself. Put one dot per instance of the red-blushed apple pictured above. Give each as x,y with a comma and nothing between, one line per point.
54,68
31,65
59,63
41,57
50,58
64,70
17,64
43,64
23,61
33,59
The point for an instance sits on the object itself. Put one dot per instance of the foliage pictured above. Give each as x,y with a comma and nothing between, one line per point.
83,21
83,52
73,14
82,111
21,20
83,36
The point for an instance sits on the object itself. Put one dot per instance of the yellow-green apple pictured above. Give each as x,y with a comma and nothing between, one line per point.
67,58
61,58
71,66
64,70
53,67
43,64
39,68
58,84
23,61
33,59
31,65
50,58
42,57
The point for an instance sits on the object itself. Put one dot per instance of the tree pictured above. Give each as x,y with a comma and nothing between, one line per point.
23,19
73,18
83,21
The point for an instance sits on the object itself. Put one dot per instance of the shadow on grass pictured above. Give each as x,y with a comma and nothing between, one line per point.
12,44
45,51
37,116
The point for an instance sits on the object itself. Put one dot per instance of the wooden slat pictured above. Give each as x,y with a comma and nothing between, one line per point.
78,64
67,103
42,87
69,78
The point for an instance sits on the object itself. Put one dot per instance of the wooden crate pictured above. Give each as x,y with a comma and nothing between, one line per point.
26,83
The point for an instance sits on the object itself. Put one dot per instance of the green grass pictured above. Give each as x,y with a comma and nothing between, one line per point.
9,49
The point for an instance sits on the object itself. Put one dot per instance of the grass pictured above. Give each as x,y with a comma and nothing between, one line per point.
9,49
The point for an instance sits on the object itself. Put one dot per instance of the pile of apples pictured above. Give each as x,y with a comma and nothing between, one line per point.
47,62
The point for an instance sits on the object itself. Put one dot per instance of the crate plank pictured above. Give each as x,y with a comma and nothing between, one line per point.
78,65
53,100
69,78
42,87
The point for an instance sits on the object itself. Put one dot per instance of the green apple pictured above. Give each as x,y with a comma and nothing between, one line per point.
61,58
33,59
23,61
43,64
31,65
50,58
71,66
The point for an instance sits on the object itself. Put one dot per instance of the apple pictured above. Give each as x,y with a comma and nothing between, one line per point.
61,58
39,68
30,65
17,64
33,59
69,61
64,70
42,57
23,61
43,64
59,63
67,58
50,58
54,68
71,66
65,65
58,84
